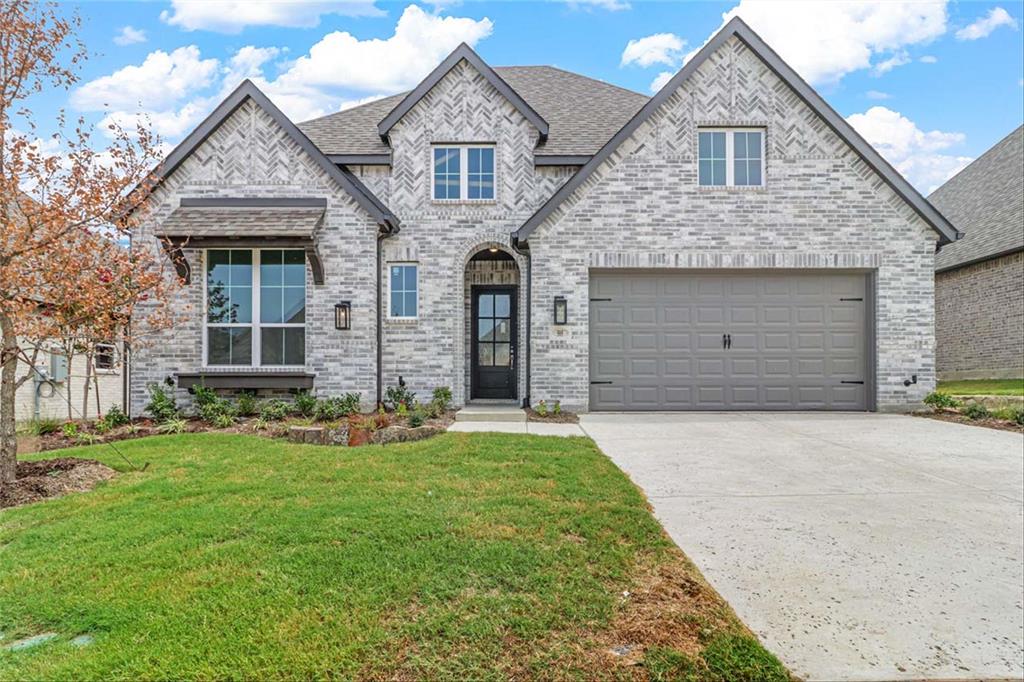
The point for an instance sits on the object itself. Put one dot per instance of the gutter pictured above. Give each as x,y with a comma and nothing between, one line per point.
525,252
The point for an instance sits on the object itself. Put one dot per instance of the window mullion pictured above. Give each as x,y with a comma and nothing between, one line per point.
730,178
463,173
257,359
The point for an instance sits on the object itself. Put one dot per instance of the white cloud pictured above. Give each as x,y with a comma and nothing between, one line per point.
231,16
610,5
129,36
877,94
920,156
159,82
660,48
660,80
352,103
838,38
420,41
996,17
928,59
886,65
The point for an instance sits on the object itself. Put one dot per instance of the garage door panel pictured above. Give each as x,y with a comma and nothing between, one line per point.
659,341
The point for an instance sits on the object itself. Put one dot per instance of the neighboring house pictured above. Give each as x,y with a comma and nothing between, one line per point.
979,281
527,234
46,395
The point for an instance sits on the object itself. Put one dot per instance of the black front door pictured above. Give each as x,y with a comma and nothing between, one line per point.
494,342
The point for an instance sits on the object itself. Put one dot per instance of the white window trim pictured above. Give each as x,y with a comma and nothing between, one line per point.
730,157
255,323
113,369
404,318
463,174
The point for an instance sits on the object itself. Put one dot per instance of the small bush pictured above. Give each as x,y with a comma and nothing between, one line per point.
541,409
432,410
740,658
161,405
557,408
259,424
100,426
398,395
274,410
89,438
115,417
335,407
416,418
43,427
976,411
306,403
70,430
442,398
245,406
223,420
1010,413
402,410
938,399
173,425
203,396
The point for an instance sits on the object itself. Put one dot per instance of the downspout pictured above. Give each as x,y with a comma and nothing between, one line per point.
381,236
529,313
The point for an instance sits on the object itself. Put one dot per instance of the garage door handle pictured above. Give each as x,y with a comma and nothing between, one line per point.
852,382
594,383
725,342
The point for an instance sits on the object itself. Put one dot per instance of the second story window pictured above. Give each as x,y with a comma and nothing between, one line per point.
730,158
464,172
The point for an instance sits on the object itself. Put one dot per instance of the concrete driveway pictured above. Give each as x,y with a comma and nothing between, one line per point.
857,546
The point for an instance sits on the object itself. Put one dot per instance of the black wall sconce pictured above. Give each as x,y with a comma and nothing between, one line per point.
561,310
343,315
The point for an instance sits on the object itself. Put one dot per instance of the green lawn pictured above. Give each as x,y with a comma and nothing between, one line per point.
466,556
983,387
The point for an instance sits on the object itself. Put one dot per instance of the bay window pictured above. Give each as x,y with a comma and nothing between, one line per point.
255,307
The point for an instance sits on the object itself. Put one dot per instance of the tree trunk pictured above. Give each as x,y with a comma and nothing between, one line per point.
8,389
68,358
86,386
96,389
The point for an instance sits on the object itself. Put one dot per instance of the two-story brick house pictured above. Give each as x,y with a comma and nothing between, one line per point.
525,233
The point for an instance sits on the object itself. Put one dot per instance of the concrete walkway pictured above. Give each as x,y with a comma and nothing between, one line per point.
857,546
536,428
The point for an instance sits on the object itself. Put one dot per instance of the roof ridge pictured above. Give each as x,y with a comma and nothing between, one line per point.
991,150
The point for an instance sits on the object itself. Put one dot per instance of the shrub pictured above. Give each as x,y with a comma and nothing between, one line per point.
70,430
173,425
541,409
402,410
941,400
245,406
1010,413
333,408
416,418
976,411
398,395
115,417
100,426
432,410
259,424
557,408
218,412
43,427
442,398
306,403
223,420
274,410
161,405
89,438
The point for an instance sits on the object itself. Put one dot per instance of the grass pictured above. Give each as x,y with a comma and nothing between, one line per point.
983,387
466,556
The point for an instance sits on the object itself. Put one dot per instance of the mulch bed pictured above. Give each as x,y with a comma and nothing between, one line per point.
49,478
986,422
560,418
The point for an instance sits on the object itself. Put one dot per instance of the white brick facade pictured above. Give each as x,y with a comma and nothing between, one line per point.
822,207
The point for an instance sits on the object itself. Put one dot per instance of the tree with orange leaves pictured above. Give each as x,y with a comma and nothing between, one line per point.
63,272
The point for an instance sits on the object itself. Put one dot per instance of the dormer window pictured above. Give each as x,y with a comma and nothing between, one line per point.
463,173
730,157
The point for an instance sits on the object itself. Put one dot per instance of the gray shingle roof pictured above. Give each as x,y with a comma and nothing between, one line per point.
582,113
986,202
247,221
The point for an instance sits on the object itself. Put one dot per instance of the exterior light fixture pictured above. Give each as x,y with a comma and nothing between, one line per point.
343,315
493,249
561,310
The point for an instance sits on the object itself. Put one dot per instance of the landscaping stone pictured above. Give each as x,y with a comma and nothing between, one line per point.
319,435
30,642
402,434
82,640
337,435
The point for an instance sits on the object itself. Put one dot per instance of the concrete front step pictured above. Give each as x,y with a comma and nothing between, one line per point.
490,413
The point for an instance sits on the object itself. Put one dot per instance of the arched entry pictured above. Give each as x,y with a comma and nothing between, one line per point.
493,325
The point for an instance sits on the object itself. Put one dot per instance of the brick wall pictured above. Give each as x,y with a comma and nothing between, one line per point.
821,207
53,398
979,320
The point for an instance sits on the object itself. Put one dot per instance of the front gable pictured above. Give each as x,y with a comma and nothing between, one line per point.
735,80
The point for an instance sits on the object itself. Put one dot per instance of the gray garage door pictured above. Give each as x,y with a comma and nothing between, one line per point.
751,341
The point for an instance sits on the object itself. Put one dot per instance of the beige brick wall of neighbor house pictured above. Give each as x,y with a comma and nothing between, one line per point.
979,320
822,207
53,399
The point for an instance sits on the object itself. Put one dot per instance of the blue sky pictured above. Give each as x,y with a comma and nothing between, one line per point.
931,84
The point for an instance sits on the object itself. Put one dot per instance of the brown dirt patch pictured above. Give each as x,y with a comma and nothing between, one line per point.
560,418
957,418
48,478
